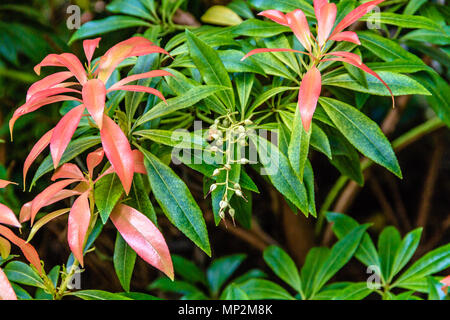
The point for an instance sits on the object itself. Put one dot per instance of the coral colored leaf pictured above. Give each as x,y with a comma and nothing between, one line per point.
40,95
89,47
48,82
118,151
349,55
25,212
7,216
349,36
36,151
144,237
136,46
63,132
68,171
78,225
5,183
262,50
68,60
6,291
94,96
28,250
446,282
142,89
33,107
93,159
43,198
354,15
308,95
134,77
299,25
325,22
139,166
275,16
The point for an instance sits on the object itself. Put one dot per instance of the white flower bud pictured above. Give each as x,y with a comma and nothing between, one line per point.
231,212
215,149
248,122
216,172
219,142
237,186
223,204
238,193
241,129
213,187
221,214
243,161
227,166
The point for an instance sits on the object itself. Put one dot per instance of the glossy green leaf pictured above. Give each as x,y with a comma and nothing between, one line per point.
259,28
221,270
406,250
260,289
188,270
130,7
388,243
124,260
98,295
403,20
283,266
107,193
22,273
233,292
298,145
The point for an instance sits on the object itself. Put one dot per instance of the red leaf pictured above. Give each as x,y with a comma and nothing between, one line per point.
5,183
7,216
326,16
78,225
94,96
6,291
308,95
141,89
135,46
349,36
35,152
144,237
63,132
89,47
93,159
118,151
40,95
354,15
275,16
68,60
28,250
42,199
349,55
134,77
299,25
446,282
139,162
48,82
68,171
262,50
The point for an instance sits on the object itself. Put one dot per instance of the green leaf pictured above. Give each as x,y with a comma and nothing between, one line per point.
435,288
231,59
400,84
259,28
298,145
98,295
233,292
74,148
406,250
433,262
107,193
362,132
402,20
21,293
388,243
210,67
178,138
130,7
221,270
316,257
319,140
139,296
184,101
244,84
53,275
413,6
431,36
176,201
113,23
124,260
308,179
342,225
140,200
22,273
267,95
339,255
243,208
284,5
187,270
281,174
260,289
355,291
181,287
283,266
288,58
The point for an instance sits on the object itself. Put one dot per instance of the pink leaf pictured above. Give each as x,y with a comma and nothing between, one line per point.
68,171
89,47
5,183
144,237
275,16
7,216
94,96
349,36
349,55
40,95
28,250
299,25
139,162
68,60
136,46
93,159
446,282
118,151
25,212
262,50
325,22
6,291
42,199
48,82
354,15
36,151
63,132
309,95
78,225
141,89
134,77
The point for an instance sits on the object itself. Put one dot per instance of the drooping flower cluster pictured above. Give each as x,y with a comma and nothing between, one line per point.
316,47
92,97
